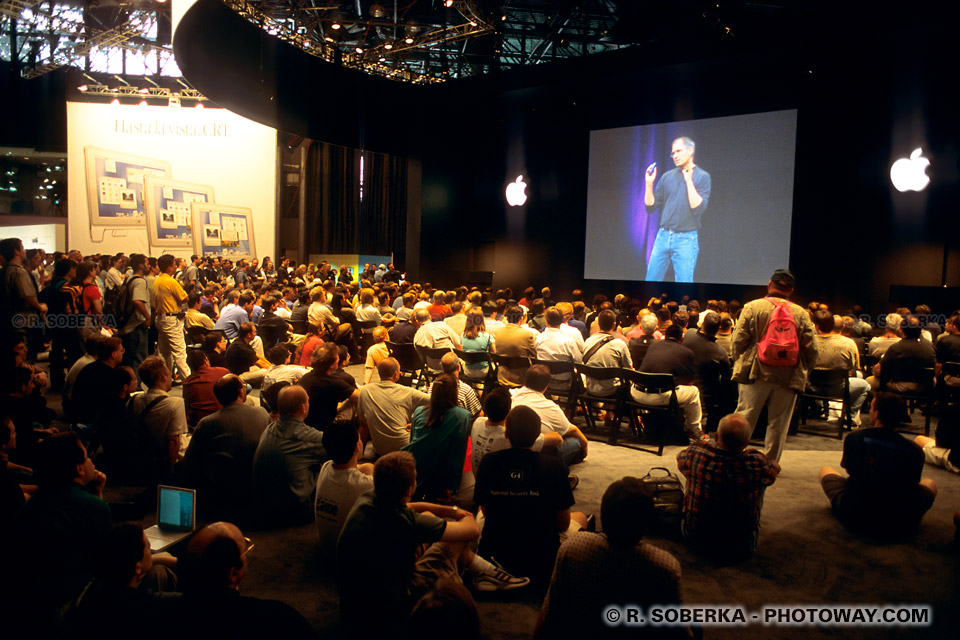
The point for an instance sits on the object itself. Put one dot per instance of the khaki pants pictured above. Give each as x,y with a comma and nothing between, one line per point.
779,402
171,343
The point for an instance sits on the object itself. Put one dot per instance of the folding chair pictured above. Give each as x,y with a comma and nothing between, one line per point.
586,400
430,356
515,364
479,384
195,336
824,385
366,335
411,366
923,396
567,394
654,422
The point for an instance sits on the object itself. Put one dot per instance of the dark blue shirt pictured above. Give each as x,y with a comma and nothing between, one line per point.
670,196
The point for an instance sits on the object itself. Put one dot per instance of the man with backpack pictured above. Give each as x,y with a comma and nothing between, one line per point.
133,313
773,348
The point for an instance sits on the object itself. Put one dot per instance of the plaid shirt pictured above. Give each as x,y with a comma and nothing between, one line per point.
724,491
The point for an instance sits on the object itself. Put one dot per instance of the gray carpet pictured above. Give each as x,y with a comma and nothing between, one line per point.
804,557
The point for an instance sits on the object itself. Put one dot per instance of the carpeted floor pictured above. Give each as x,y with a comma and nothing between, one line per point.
804,557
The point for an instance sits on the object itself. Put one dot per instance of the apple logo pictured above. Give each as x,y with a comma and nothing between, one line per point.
516,192
910,174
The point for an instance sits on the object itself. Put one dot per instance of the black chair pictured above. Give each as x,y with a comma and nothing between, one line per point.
824,385
431,355
480,384
195,336
654,423
587,400
411,366
948,394
923,396
866,364
515,364
718,394
299,326
366,335
567,394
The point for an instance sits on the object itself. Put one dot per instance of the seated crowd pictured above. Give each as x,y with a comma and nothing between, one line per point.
419,480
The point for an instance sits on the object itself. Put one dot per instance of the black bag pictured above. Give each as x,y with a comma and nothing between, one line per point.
667,492
124,307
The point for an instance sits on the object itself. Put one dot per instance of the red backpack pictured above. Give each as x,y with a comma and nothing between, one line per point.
779,345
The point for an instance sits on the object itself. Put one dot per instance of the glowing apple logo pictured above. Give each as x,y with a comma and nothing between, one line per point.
910,174
516,192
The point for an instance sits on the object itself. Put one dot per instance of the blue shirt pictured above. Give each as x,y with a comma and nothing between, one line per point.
230,320
670,196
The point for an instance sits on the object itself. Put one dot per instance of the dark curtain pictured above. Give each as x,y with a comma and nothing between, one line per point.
337,220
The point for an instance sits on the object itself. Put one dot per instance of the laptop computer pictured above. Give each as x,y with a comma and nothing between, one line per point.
176,517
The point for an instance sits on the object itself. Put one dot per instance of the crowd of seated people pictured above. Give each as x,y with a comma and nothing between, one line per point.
392,474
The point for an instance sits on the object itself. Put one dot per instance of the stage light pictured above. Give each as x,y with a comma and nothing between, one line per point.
82,87
335,26
144,91
388,46
359,50
449,3
409,40
142,103
199,105
377,10
115,101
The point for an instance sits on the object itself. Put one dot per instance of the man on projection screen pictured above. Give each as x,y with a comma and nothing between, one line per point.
682,196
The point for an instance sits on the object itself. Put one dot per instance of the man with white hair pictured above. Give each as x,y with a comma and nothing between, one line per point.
638,346
891,334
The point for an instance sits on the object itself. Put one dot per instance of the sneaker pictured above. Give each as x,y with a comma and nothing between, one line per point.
574,481
498,580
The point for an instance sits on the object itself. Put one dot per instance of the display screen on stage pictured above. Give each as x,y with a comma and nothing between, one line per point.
707,201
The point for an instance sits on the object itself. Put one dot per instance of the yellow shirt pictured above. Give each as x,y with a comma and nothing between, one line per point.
168,295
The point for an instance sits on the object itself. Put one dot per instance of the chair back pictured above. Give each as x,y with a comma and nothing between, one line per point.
598,373
195,335
556,366
406,354
650,382
827,379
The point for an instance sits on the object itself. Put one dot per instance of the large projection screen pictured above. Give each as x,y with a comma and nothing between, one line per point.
744,229
233,157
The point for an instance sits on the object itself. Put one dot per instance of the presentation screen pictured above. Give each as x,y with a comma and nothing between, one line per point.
706,201
136,172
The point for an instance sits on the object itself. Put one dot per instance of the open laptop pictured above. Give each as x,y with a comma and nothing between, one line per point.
176,517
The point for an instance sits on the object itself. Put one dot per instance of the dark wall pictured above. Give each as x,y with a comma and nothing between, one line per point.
865,97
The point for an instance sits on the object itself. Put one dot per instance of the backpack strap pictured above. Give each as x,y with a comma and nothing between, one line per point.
593,350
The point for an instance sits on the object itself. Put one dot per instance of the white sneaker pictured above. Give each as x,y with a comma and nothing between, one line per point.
498,580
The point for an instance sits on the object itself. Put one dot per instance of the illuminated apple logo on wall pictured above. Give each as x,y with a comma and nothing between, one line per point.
516,192
910,174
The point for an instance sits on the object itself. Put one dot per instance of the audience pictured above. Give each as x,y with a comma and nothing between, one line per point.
198,395
386,409
161,417
488,433
327,390
342,479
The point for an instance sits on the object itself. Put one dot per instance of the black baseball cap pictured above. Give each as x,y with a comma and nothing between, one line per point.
784,277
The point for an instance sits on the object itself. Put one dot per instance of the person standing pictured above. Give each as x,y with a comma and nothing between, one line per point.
168,299
765,381
681,195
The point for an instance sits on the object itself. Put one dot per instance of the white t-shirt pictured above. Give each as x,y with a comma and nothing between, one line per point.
337,490
487,438
283,372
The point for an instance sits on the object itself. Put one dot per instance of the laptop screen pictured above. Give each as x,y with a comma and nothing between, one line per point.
175,508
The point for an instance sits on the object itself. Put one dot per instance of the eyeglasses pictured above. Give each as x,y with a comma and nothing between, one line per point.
249,545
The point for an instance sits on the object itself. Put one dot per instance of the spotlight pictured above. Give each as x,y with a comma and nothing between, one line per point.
335,26
199,105
82,87
142,103
115,101
377,10
359,50
449,3
409,40
144,91
388,46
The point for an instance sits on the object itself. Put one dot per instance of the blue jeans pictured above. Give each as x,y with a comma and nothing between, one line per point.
570,452
135,349
679,247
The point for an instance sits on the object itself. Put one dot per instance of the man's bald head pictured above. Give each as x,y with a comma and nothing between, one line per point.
422,316
388,368
214,559
450,363
291,400
733,434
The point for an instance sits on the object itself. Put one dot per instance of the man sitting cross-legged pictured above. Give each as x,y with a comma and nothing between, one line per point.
392,551
552,419
884,495
595,570
386,409
525,499
725,485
